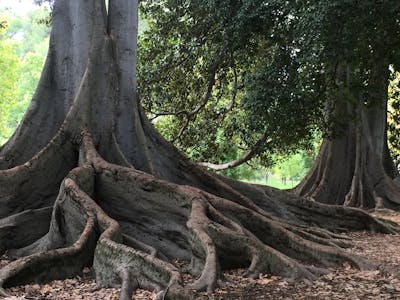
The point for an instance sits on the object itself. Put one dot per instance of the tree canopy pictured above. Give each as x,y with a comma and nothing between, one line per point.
8,77
24,42
260,72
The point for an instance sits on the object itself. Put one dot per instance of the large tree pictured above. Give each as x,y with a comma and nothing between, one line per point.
86,180
236,59
291,67
359,42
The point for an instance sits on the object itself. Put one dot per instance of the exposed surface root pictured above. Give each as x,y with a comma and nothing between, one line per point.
280,205
139,224
354,170
272,233
199,223
128,286
213,232
58,263
35,183
16,230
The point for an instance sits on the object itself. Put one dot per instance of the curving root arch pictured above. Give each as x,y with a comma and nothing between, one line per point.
87,181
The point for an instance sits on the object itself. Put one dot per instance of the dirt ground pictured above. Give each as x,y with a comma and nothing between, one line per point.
382,282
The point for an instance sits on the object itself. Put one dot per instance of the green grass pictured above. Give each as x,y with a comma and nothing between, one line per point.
274,182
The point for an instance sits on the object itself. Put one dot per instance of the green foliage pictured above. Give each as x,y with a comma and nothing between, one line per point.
293,167
261,68
9,63
21,64
29,74
29,29
394,117
204,64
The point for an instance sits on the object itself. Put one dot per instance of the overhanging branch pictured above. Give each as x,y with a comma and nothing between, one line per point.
203,101
255,150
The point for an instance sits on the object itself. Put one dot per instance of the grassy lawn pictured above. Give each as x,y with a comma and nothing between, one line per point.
274,181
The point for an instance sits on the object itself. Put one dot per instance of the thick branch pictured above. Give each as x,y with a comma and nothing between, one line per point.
256,149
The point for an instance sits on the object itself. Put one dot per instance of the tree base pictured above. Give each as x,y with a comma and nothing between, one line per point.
138,224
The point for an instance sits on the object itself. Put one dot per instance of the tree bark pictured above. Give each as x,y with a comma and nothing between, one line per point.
123,199
354,168
68,54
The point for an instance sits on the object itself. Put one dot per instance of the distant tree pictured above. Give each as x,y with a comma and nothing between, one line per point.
9,63
29,71
30,29
394,117
31,55
224,67
293,167
292,67
355,42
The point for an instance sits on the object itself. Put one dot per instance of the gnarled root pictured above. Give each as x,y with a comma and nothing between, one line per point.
16,230
35,184
139,223
79,237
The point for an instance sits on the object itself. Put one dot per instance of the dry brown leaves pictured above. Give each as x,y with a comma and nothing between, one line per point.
342,283
79,287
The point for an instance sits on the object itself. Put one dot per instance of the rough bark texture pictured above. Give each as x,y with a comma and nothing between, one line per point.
355,169
103,188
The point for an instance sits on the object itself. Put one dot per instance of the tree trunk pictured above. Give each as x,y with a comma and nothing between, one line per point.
68,54
354,168
103,188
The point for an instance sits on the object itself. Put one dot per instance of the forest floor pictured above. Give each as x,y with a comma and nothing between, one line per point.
342,283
